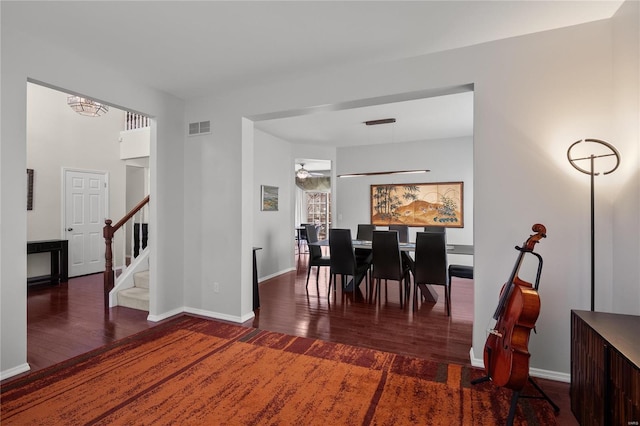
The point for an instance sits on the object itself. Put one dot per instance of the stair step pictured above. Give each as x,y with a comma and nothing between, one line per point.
141,279
134,297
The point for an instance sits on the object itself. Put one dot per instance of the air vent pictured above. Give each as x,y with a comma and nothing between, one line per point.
199,128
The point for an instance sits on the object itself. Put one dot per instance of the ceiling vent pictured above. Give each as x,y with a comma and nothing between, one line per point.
199,128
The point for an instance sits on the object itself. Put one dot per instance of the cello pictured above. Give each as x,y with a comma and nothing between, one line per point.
506,354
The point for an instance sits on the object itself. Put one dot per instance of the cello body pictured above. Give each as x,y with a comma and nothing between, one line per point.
506,354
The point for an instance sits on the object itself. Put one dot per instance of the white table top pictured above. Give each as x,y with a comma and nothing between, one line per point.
363,244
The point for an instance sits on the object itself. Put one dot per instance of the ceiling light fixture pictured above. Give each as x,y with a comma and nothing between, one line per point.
88,107
381,121
397,172
302,173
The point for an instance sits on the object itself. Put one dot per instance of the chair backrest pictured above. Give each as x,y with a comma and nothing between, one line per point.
387,263
365,232
312,237
343,258
430,265
303,231
435,229
403,232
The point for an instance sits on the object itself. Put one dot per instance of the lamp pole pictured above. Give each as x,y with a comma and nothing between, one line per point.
609,151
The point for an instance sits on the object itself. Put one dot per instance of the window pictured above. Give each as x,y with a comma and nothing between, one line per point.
319,211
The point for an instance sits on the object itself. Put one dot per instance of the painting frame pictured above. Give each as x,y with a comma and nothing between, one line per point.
268,198
418,204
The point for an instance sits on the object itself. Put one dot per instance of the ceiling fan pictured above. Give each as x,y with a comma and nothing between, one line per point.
303,173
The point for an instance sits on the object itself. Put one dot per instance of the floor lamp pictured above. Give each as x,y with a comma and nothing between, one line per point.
599,149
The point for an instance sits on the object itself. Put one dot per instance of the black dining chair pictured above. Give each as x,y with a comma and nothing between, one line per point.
436,229
387,263
364,233
343,260
403,236
460,271
430,265
403,232
316,258
302,235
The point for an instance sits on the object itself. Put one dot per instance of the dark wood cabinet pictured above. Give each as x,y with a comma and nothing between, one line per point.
605,368
59,250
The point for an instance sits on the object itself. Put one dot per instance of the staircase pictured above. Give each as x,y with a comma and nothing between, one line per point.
132,287
136,297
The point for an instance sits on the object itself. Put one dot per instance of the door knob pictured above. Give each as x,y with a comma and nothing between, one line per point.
69,229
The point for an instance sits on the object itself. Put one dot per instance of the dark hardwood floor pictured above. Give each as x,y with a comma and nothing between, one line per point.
67,320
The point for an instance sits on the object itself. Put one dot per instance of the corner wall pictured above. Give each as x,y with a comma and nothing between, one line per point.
625,283
59,68
533,96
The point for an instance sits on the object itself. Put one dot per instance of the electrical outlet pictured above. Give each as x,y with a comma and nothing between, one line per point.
216,287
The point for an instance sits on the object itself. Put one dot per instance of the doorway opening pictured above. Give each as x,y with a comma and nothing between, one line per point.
313,194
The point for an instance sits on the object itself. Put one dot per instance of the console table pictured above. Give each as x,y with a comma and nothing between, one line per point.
605,368
59,250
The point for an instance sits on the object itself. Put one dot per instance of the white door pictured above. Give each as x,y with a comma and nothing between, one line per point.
85,201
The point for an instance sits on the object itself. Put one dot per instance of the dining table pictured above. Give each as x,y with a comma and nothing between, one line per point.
428,291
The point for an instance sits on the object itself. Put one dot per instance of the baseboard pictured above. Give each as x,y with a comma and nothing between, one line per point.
165,315
276,274
220,316
533,372
14,371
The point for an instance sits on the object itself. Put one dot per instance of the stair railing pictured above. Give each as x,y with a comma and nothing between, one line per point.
135,121
108,232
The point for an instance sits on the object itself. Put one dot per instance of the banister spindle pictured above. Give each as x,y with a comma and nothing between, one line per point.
107,233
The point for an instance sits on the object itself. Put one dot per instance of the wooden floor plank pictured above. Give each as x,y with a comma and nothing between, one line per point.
67,320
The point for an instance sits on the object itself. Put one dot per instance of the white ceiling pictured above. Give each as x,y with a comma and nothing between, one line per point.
198,48
440,117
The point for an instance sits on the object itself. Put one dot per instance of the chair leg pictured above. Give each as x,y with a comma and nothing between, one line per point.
447,300
415,296
308,273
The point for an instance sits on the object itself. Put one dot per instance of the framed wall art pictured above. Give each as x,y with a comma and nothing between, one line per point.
418,204
269,198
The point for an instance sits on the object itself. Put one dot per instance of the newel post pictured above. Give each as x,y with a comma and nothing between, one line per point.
107,233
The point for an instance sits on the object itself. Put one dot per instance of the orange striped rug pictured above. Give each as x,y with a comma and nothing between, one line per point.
193,371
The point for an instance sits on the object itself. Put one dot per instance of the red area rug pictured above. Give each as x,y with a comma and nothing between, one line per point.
193,371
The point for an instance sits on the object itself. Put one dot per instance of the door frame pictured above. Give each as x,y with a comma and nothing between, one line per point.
63,192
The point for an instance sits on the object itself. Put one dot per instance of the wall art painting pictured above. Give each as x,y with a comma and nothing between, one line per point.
269,198
418,204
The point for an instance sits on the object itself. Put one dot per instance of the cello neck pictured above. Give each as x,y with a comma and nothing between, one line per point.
504,297
540,232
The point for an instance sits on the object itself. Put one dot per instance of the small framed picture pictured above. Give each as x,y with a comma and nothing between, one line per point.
269,198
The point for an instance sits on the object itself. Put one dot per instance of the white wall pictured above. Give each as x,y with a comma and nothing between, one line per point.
626,210
273,230
58,137
450,160
60,68
135,143
533,96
